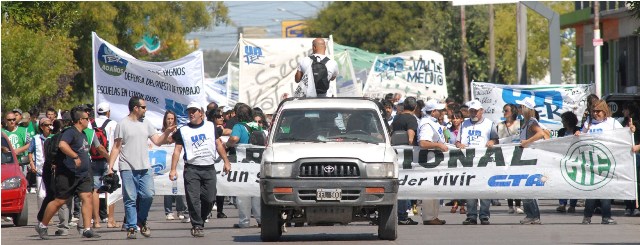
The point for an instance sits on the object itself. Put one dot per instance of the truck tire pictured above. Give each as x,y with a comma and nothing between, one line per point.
22,218
388,222
271,228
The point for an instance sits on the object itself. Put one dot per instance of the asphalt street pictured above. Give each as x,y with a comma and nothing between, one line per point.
557,228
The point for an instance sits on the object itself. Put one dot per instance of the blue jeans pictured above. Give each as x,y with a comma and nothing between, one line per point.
403,205
472,208
136,185
572,202
531,208
247,206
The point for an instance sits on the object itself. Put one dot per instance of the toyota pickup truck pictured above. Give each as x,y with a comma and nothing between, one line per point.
328,161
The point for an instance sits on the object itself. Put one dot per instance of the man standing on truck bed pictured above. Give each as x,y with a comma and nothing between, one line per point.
319,68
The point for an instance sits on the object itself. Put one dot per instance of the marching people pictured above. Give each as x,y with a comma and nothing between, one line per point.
197,140
600,120
431,136
103,120
130,145
217,118
510,127
477,131
36,156
306,66
180,200
247,205
454,131
530,131
406,121
569,128
72,176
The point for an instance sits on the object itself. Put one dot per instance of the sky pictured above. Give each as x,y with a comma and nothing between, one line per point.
267,14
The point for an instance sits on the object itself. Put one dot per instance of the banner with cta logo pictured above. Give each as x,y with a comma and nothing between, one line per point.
599,166
170,85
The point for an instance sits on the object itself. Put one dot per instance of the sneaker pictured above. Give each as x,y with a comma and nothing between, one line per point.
186,220
131,233
74,219
215,207
485,221
73,223
62,232
512,210
586,220
90,234
470,221
145,230
435,221
170,216
561,209
571,209
180,215
105,220
408,221
206,220
530,221
221,215
608,221
636,212
197,232
42,232
628,212
519,210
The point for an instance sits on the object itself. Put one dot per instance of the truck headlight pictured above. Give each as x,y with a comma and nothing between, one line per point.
11,183
381,170
276,170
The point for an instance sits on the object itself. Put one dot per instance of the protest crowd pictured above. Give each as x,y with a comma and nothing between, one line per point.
94,148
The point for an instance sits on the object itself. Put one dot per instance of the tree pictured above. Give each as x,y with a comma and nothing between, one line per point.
37,54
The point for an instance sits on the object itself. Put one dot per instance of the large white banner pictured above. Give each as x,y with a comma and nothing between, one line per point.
347,84
551,100
216,90
578,167
268,68
418,73
171,85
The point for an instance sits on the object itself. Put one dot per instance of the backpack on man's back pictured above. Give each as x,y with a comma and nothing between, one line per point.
320,74
101,136
52,153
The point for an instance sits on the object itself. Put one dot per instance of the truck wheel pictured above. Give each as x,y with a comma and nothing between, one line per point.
271,228
22,218
388,222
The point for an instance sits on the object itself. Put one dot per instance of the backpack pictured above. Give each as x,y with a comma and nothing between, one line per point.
101,136
52,153
320,74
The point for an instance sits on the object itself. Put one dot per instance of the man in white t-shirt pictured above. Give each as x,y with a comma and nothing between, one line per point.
477,131
304,68
102,120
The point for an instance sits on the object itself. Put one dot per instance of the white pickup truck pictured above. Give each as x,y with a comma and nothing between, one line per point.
328,161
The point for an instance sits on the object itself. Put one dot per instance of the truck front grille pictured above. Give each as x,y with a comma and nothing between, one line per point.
319,169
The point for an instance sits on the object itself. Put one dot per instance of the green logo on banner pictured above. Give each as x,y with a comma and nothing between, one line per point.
588,165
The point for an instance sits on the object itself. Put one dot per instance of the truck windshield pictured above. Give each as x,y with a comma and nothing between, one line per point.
329,125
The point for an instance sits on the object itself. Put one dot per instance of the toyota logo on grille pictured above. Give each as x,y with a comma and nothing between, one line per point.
329,169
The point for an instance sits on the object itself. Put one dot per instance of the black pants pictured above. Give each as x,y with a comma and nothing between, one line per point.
200,188
220,203
47,180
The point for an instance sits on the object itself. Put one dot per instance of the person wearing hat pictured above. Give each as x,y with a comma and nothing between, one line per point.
198,141
130,146
477,131
530,131
431,136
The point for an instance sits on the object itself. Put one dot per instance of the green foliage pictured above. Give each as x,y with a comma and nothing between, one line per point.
34,67
60,32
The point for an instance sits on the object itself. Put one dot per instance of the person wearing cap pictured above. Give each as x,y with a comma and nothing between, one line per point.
530,131
406,121
431,136
130,146
477,131
197,140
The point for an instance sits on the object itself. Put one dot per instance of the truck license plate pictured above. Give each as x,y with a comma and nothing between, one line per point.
329,194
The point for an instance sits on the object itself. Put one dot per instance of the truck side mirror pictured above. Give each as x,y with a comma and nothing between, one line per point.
399,138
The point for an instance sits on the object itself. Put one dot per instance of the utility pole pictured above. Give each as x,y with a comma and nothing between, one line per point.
465,82
521,30
492,47
597,42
